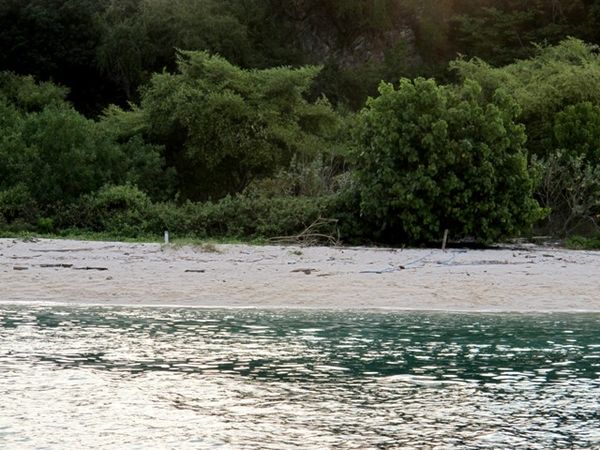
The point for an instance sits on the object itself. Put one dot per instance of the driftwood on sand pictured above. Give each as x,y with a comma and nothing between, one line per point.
320,232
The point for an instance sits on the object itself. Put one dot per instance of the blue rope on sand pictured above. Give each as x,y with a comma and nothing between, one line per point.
379,272
416,261
419,260
454,256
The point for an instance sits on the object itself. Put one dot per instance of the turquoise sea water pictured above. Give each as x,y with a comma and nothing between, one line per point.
75,377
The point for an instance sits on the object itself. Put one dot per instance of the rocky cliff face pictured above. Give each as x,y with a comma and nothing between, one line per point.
327,38
323,45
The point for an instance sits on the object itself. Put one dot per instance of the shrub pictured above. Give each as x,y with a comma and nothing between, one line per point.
128,212
570,190
63,156
122,210
577,129
17,204
345,207
59,155
570,175
241,216
430,158
314,178
45,224
584,243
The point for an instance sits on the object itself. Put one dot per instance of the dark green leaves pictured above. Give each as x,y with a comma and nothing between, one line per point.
224,127
432,157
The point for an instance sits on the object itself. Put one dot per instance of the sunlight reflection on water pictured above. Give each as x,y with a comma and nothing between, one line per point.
187,378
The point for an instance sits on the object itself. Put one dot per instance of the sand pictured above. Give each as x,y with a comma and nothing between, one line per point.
524,278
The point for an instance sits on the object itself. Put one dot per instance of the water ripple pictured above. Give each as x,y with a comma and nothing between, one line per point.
184,378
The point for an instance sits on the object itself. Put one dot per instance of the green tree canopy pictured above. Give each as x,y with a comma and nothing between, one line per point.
55,40
141,36
224,126
502,31
51,154
577,130
430,157
558,76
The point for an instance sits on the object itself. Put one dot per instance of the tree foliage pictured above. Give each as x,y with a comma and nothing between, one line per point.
558,76
570,190
141,36
558,90
430,158
104,50
223,126
501,32
570,174
99,108
55,40
577,130
51,154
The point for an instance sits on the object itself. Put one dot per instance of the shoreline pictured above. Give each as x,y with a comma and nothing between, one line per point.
527,279
373,310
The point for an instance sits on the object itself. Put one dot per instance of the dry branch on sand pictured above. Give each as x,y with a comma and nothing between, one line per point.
320,232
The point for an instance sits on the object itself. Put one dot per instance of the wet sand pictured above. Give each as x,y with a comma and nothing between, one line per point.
527,278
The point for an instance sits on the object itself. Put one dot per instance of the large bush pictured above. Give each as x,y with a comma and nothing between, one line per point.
17,205
431,158
558,91
577,129
123,210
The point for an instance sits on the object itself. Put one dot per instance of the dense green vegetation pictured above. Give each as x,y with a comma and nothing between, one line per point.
251,118
223,127
433,157
558,94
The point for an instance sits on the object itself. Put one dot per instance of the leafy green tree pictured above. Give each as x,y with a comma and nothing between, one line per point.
570,175
141,36
27,95
52,155
224,127
502,31
577,130
558,76
59,155
558,91
431,158
55,40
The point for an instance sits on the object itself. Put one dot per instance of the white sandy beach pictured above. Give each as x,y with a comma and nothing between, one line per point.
509,279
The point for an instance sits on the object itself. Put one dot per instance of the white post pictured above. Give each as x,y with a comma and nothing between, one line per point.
445,240
166,237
